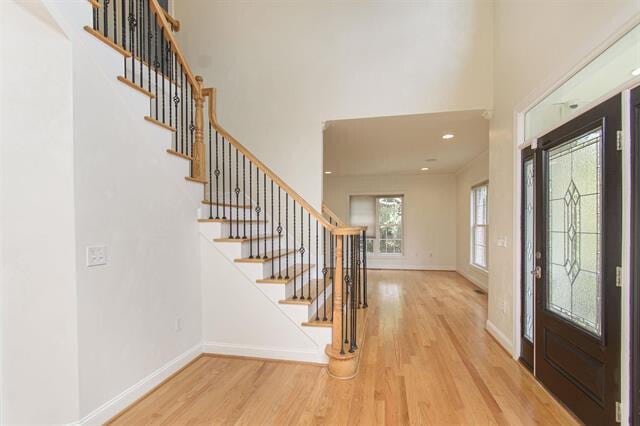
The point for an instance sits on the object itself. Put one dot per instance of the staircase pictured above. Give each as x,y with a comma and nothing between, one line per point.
311,264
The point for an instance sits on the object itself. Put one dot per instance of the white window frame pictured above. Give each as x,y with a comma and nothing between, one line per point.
474,225
376,241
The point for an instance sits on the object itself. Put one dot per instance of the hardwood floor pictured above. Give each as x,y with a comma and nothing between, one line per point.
427,360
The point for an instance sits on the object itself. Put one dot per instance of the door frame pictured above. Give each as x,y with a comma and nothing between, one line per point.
634,138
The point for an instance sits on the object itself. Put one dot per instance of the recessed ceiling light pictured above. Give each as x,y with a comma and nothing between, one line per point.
327,172
424,169
635,72
447,136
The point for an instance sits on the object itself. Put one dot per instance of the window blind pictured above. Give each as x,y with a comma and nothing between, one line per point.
362,212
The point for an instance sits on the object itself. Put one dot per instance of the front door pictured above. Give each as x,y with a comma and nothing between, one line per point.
578,252
527,256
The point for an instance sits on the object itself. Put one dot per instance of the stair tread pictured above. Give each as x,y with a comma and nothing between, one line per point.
226,204
308,289
299,270
265,257
244,240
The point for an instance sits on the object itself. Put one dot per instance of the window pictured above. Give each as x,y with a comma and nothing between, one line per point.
382,215
479,225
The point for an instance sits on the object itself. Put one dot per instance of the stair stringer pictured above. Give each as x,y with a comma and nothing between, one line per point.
239,318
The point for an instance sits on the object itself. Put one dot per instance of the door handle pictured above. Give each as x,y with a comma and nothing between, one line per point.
537,272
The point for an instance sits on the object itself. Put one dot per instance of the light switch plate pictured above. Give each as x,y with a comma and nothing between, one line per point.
96,255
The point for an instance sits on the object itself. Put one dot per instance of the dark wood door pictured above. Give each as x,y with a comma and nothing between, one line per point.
578,235
635,257
527,255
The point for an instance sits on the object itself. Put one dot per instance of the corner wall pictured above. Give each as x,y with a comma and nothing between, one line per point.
39,346
475,172
429,220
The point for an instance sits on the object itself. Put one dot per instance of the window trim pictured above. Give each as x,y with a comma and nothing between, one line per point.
376,241
473,226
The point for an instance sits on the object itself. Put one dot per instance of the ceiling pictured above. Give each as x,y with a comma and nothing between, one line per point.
404,144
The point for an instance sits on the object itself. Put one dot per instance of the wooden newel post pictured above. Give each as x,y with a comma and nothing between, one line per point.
338,287
199,169
343,360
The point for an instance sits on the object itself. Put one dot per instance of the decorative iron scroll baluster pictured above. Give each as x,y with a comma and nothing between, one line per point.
115,21
342,318
250,210
244,201
170,72
347,282
273,272
216,173
176,100
324,272
224,210
210,175
302,250
132,26
309,254
258,210
286,241
237,190
192,128
264,186
123,29
279,230
162,67
352,347
182,113
295,294
155,87
105,17
149,38
230,196
140,41
317,266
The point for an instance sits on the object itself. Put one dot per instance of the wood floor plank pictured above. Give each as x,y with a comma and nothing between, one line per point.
427,360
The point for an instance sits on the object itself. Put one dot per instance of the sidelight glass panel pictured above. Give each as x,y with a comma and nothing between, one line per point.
573,234
528,249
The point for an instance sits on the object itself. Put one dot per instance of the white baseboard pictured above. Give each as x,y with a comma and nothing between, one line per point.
473,280
127,397
506,343
371,264
219,348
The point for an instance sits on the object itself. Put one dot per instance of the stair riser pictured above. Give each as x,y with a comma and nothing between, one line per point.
302,313
212,230
227,211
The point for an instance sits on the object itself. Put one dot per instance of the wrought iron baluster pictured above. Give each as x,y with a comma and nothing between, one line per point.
279,230
155,67
244,202
217,175
237,190
317,281
286,240
324,271
230,195
250,210
344,286
364,266
302,250
264,228
132,26
115,21
140,41
123,29
273,273
309,254
258,210
149,38
295,277
210,174
224,211
105,17
182,111
162,65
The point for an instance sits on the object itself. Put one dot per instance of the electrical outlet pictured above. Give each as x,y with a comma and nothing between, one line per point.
179,324
96,255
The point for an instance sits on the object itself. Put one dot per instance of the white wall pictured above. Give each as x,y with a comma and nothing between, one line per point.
535,43
39,348
473,173
282,68
429,215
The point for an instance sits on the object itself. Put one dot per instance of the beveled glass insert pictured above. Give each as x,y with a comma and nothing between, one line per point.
528,249
573,231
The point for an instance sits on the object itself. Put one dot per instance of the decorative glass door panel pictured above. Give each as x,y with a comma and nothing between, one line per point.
528,245
573,235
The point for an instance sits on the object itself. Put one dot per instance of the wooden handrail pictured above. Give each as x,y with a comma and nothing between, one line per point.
210,93
175,24
326,210
168,33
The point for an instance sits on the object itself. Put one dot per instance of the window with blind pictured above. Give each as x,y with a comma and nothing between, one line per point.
479,225
382,215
